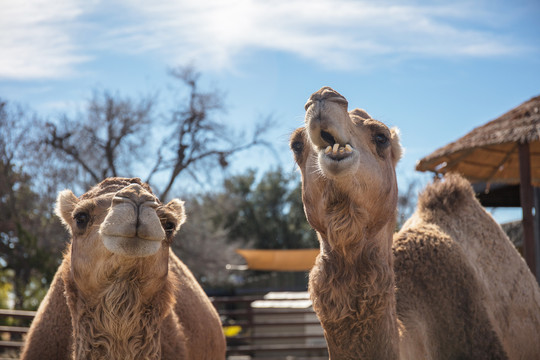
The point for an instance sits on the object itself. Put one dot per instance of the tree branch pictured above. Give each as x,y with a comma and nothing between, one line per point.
57,142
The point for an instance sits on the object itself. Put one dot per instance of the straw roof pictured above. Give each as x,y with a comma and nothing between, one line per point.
489,152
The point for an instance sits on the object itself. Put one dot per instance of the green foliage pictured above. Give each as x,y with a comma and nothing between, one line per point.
28,250
24,226
267,214
5,288
246,212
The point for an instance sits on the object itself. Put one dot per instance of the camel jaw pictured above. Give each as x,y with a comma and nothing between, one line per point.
131,246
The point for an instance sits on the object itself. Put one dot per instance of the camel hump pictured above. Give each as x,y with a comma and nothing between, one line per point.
449,194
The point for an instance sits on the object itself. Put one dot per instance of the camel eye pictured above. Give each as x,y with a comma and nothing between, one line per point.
81,218
297,147
381,139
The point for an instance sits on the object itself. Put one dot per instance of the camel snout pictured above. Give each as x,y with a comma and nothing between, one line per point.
132,226
326,94
128,219
327,119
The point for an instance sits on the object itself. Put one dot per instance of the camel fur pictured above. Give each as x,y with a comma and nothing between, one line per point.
449,285
120,292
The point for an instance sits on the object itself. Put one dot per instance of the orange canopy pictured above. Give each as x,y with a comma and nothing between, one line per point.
280,260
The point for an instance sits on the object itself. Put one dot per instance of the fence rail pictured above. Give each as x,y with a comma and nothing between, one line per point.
258,333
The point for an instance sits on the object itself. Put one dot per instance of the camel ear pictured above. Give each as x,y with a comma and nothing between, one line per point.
397,150
361,113
65,204
176,206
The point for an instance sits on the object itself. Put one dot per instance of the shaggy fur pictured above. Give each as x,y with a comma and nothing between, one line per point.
129,325
359,296
449,285
135,308
498,299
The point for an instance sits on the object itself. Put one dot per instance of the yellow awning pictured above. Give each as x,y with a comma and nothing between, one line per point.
280,260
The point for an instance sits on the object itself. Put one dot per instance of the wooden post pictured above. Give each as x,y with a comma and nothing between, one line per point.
526,197
536,191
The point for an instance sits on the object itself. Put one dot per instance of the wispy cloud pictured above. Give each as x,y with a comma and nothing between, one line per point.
37,40
338,33
41,39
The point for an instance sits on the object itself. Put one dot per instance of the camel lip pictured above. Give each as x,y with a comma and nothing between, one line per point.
131,246
129,238
339,157
335,164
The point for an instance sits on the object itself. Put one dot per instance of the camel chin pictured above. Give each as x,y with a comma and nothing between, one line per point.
131,246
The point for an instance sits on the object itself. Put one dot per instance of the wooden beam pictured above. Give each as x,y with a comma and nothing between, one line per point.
526,197
536,191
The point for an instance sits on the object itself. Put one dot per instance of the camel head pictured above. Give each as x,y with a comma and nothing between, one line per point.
347,161
116,226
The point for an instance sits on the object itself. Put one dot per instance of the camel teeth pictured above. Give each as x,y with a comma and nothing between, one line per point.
341,150
327,150
335,148
348,148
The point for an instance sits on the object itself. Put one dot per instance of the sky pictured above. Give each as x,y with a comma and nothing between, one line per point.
433,69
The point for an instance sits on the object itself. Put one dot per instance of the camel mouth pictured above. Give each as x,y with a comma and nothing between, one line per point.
131,246
327,137
332,148
338,152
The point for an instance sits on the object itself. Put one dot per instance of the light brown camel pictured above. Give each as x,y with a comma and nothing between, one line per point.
449,285
120,292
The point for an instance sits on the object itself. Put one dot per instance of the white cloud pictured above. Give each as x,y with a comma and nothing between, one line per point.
41,38
36,39
342,33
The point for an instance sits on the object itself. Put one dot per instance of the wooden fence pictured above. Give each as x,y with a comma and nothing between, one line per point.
256,328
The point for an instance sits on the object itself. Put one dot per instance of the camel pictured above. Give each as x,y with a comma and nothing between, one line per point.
449,285
120,292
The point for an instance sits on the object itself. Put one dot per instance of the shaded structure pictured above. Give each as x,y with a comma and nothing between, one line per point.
503,152
279,260
498,194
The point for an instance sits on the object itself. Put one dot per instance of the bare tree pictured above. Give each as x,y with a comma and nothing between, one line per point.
113,134
104,140
198,137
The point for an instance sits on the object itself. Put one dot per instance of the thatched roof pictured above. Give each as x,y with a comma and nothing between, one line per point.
489,152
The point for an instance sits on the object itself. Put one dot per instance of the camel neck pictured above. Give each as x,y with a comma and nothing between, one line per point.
120,321
118,326
353,294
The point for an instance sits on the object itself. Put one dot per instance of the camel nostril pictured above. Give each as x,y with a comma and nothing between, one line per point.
327,137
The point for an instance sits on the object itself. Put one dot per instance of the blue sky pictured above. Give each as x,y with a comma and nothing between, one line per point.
434,69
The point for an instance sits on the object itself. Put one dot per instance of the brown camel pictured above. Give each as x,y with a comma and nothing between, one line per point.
449,285
120,292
